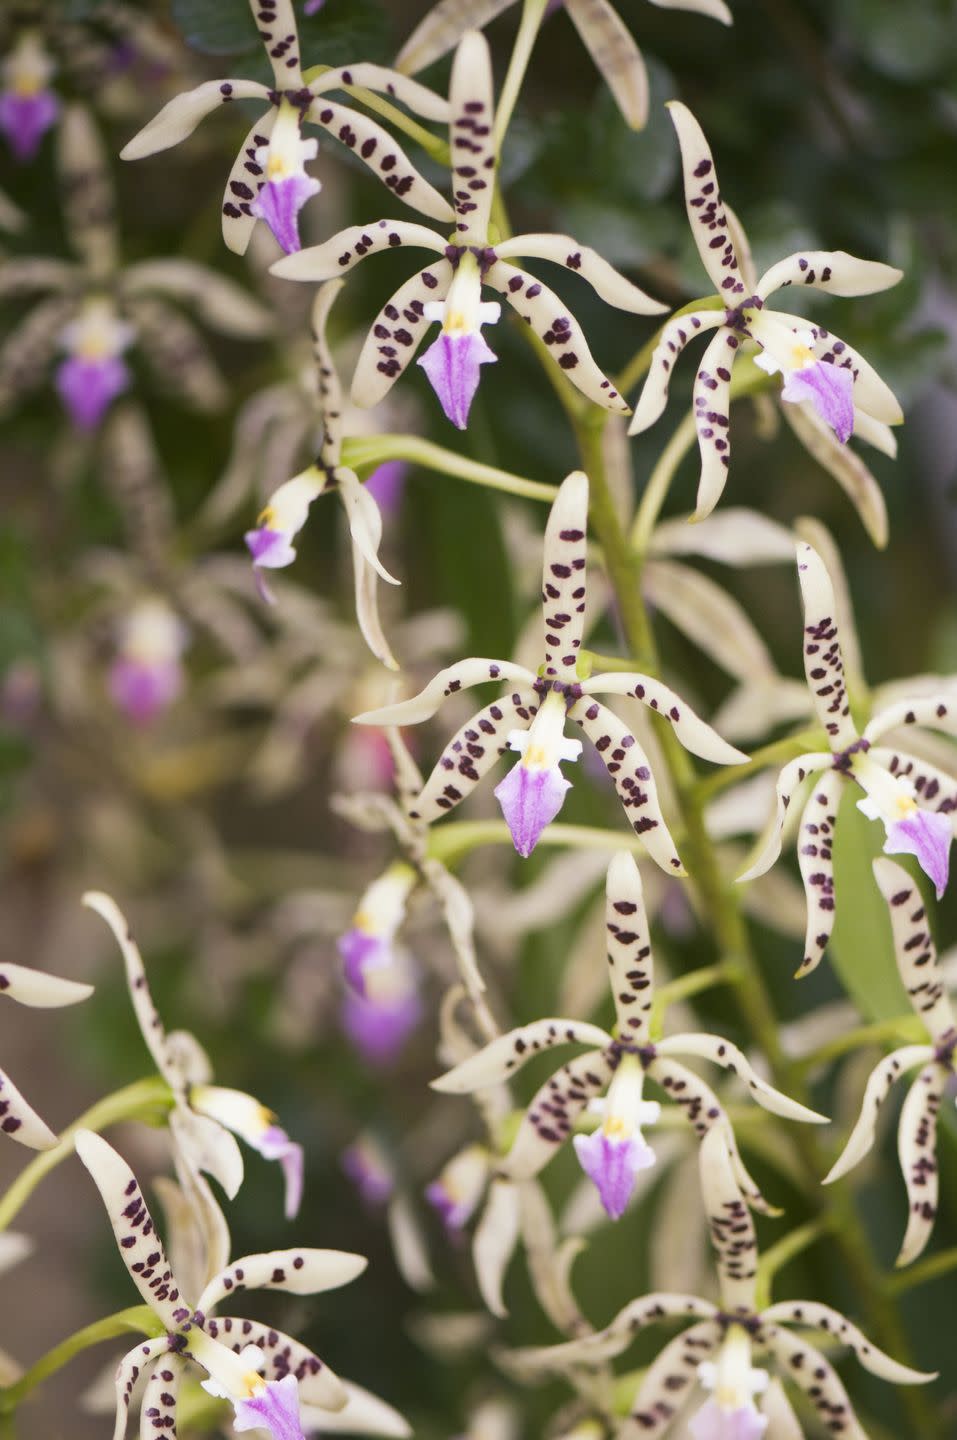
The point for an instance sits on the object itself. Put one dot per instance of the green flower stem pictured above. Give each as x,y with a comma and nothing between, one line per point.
720,900
365,454
138,1320
930,1269
782,1254
903,1029
639,363
659,482
779,752
431,144
149,1100
533,12
724,972
453,841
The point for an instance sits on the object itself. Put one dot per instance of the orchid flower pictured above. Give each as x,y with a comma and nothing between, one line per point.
449,290
270,543
719,1346
28,107
371,1169
95,310
915,802
233,1352
204,1116
600,28
268,180
531,718
41,992
917,1132
147,674
620,1063
819,370
382,1005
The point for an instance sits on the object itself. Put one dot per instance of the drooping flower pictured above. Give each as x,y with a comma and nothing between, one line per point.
916,802
821,373
600,28
204,1115
40,991
268,180
96,309
147,673
615,1154
270,543
449,290
232,1352
920,973
456,1193
28,106
718,1347
368,943
531,717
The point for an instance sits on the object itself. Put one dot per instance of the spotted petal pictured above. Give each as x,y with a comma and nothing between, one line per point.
29,347
550,1118
461,676
349,246
935,789
917,1153
318,1385
832,270
38,989
397,332
816,861
810,1315
19,1120
617,1335
158,1406
128,1372
607,282
495,1239
178,355
672,340
377,149
87,189
914,949
666,1381
219,302
441,29
276,22
722,1052
609,42
136,1236
809,1370
847,468
563,576
706,214
243,184
505,1055
823,662
180,116
471,138
694,734
474,748
301,1271
794,773
629,767
882,1078
712,414
35,272
937,712
631,963
730,1224
551,320
366,76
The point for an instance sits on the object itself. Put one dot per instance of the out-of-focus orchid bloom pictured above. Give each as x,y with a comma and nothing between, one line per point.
267,181
369,942
232,1352
613,1157
530,718
917,1131
380,1021
40,991
450,289
203,1115
365,1163
600,27
147,674
916,802
93,374
28,107
386,485
270,543
820,372
719,1344
456,1193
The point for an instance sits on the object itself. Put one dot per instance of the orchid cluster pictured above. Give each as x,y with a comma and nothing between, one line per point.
281,774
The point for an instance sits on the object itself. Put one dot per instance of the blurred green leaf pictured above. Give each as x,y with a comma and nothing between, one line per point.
861,948
216,27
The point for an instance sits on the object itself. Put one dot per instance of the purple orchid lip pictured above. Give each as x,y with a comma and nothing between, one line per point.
373,1184
530,800
275,1408
926,834
454,1214
452,363
144,690
386,485
713,1422
279,203
830,389
275,1144
270,548
379,1029
25,119
88,387
361,952
612,1165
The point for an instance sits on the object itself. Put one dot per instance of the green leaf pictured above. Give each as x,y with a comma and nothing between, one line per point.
861,948
216,27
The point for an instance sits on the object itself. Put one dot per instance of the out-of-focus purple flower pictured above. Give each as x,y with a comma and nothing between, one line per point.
312,7
365,1163
712,1422
386,485
147,674
28,107
252,1122
455,1194
270,543
93,374
379,1027
368,944
286,187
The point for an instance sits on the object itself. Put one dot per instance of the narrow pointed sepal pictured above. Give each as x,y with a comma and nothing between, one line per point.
506,1054
495,1239
882,1078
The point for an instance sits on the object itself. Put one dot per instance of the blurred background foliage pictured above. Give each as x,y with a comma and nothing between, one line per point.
833,126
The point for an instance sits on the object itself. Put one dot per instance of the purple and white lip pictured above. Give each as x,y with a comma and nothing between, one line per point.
453,361
286,187
28,107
